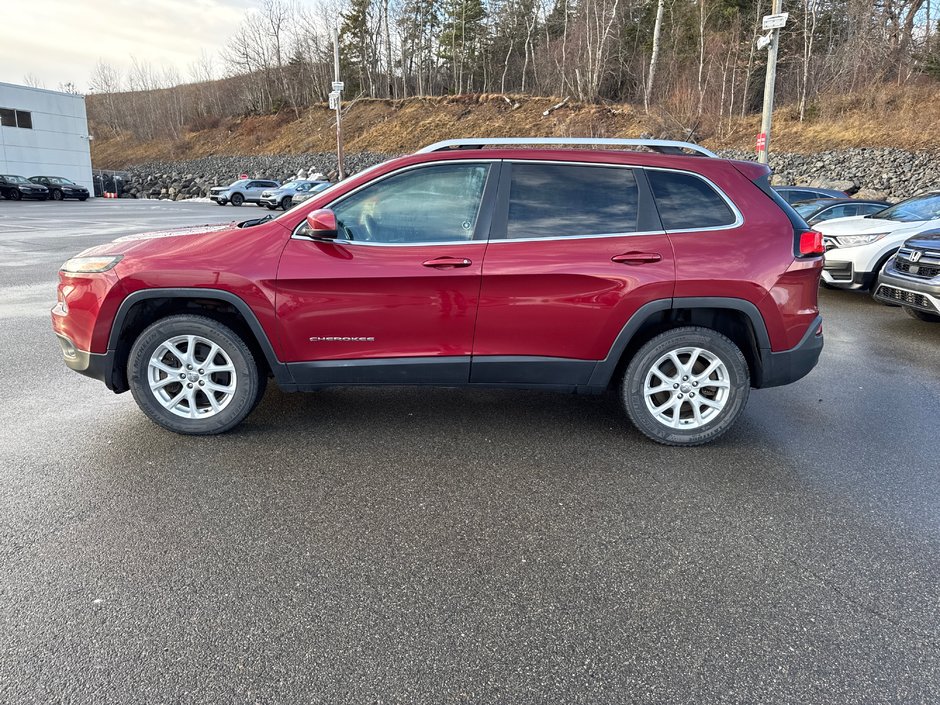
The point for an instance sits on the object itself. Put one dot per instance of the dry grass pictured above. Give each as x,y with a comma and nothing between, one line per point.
896,117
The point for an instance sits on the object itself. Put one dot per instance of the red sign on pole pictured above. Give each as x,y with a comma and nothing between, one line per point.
243,176
761,141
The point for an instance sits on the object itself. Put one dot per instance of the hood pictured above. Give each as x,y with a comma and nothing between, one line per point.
860,225
927,240
218,189
178,232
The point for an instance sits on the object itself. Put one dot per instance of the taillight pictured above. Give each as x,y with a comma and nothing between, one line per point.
811,243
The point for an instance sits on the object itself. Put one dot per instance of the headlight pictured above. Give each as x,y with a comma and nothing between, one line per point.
86,265
856,240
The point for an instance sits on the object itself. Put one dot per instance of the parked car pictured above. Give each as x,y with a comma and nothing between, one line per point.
820,209
61,188
19,187
911,279
283,196
681,280
241,191
303,196
857,248
795,194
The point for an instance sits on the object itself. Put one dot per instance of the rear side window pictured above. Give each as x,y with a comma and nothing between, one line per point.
559,200
686,202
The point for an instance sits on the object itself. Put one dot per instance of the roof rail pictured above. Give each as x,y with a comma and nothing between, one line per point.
662,146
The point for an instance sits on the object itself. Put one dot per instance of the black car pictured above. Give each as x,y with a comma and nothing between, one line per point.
61,188
820,209
19,187
911,279
794,194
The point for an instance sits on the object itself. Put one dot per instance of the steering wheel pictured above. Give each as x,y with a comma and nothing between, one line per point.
370,226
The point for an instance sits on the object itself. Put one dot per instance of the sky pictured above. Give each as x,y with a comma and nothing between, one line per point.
60,41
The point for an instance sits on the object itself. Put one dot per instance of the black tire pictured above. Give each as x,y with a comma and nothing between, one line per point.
270,207
237,199
249,383
921,315
83,198
43,198
220,203
56,194
16,195
714,344
286,203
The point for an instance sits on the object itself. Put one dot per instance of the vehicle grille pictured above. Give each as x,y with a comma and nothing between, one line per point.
908,298
927,265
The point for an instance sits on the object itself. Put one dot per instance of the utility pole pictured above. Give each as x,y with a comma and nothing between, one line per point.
774,22
336,96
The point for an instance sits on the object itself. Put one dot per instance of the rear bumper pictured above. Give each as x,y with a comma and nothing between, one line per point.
94,365
779,368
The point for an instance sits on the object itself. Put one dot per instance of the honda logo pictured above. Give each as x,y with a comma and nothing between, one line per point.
915,256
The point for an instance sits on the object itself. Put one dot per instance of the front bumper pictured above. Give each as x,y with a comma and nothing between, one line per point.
94,365
779,368
219,197
270,200
895,289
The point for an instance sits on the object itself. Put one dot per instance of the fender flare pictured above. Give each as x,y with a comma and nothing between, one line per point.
280,370
604,370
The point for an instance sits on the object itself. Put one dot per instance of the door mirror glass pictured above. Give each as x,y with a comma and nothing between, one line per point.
321,224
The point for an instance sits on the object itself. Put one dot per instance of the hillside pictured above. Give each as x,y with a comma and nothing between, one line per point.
893,117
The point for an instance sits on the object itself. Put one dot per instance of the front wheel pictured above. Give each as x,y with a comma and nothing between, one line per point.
237,199
922,315
16,195
57,194
286,203
686,387
194,375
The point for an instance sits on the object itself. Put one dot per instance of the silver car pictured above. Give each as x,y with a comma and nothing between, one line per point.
242,191
291,193
317,188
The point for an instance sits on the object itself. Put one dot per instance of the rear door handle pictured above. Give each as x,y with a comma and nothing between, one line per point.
637,258
447,262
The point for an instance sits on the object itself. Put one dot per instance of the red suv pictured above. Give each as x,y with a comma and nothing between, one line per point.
682,279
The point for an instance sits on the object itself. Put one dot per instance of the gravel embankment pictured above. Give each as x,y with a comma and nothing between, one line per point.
873,172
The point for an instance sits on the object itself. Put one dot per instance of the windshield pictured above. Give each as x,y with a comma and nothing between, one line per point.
60,181
291,184
329,187
807,209
15,179
926,207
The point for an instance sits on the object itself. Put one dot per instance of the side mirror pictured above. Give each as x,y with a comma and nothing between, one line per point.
322,224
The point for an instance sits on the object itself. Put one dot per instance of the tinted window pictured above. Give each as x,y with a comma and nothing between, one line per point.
430,204
843,211
926,207
868,208
555,200
686,202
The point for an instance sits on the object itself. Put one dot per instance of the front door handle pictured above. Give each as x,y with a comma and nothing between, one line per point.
447,262
637,258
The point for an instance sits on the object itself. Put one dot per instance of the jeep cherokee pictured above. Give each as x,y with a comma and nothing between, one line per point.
679,278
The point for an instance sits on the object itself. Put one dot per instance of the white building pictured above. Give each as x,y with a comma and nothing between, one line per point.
44,133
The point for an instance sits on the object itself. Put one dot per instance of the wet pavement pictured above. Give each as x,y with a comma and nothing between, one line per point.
405,545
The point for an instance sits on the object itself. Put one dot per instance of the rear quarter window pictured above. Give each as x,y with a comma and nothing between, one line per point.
686,202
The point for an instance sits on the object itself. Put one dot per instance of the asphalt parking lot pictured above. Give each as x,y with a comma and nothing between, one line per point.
415,546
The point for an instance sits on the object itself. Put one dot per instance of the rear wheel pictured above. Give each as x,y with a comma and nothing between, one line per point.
921,315
686,387
194,375
237,199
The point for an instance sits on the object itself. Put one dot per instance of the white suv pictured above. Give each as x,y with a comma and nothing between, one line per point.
858,247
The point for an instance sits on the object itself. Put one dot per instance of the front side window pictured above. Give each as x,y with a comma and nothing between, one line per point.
426,205
686,202
563,200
